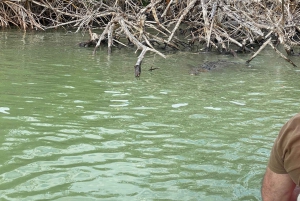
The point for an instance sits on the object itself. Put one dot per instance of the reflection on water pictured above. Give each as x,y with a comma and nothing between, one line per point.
81,127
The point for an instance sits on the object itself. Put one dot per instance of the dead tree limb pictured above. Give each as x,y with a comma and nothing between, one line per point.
281,55
259,50
138,65
207,31
102,36
185,12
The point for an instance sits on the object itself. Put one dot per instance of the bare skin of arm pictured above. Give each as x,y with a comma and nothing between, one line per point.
277,187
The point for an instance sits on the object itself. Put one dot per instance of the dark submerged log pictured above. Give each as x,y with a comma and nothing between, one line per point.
137,71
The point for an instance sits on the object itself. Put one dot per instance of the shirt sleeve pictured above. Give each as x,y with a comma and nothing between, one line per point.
276,161
285,154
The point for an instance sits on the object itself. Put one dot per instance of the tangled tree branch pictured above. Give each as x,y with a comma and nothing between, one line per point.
226,26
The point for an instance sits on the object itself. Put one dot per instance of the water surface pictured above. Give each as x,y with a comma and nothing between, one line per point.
81,127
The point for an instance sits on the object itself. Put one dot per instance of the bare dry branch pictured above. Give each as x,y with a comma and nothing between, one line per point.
165,24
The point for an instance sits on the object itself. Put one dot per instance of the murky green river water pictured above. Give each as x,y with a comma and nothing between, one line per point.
80,127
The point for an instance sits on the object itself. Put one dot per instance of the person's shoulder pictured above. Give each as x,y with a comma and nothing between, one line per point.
291,127
296,118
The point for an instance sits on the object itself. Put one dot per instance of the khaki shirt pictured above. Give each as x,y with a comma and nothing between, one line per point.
285,154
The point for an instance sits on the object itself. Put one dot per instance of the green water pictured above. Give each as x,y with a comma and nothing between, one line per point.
81,127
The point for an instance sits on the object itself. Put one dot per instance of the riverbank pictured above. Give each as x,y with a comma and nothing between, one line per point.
228,27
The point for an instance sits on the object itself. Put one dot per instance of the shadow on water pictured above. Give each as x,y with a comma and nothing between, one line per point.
82,127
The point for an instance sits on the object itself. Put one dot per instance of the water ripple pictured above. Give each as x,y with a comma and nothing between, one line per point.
83,128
